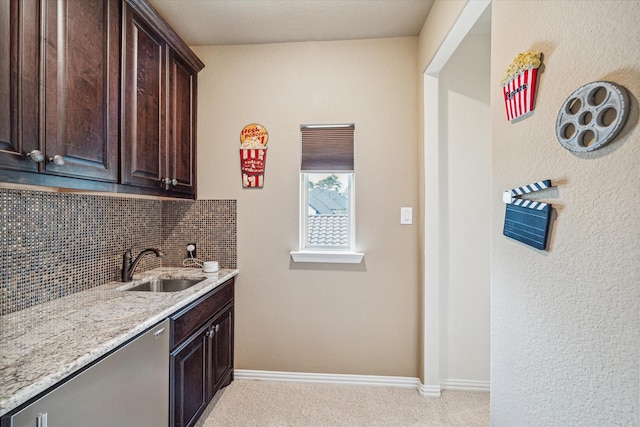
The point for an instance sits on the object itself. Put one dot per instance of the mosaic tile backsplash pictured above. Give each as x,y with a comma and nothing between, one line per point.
210,224
56,244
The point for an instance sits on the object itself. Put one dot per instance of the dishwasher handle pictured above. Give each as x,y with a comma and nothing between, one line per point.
156,334
41,421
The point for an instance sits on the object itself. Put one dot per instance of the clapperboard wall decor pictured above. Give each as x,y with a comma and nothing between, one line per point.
526,220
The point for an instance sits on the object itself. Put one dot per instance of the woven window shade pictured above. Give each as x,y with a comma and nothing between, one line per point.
327,148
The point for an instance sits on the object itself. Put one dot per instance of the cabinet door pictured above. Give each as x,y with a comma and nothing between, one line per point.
222,351
189,368
19,83
182,125
81,73
143,132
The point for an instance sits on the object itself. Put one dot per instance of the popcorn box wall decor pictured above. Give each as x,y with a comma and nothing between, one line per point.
519,85
519,94
252,161
253,155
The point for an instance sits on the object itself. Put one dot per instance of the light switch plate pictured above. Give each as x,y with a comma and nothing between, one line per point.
406,215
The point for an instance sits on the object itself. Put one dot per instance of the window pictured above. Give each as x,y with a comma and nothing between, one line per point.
327,189
327,222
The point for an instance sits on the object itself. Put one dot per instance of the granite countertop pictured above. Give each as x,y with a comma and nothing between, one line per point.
44,344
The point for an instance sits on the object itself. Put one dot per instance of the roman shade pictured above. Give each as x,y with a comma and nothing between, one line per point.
327,148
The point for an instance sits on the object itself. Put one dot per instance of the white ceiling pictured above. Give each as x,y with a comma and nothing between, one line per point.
225,22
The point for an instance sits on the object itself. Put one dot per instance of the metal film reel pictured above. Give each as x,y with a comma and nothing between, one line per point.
592,116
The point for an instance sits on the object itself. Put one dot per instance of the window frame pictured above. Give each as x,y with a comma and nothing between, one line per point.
321,253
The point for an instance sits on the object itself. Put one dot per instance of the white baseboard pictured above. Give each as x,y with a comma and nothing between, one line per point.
465,385
369,380
429,390
363,380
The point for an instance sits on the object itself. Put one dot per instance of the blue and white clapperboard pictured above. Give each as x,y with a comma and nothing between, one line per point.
526,220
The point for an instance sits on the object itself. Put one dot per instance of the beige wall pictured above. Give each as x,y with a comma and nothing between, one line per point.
447,341
466,209
356,319
437,26
439,22
566,322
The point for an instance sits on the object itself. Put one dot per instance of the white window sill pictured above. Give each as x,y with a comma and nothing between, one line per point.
338,257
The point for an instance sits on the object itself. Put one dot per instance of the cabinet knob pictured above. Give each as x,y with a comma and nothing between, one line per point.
57,160
211,332
36,156
168,182
217,327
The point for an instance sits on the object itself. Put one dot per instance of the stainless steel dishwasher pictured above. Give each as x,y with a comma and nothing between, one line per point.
129,387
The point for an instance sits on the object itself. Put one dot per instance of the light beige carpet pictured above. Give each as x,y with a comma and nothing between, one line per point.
262,403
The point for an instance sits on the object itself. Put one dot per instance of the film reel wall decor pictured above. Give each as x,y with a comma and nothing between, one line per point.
592,116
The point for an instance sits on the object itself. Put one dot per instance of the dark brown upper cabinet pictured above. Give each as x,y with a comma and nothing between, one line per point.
59,87
182,124
81,85
96,95
159,104
19,84
142,123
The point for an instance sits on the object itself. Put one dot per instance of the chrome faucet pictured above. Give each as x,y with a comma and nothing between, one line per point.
128,266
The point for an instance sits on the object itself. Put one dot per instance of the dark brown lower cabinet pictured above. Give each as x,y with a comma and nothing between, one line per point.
222,351
201,359
189,379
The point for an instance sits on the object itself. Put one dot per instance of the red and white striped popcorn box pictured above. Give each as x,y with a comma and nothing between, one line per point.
252,162
519,93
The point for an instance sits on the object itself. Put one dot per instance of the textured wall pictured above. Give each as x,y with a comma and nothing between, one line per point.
566,322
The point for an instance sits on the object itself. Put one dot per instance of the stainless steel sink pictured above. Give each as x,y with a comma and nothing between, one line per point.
159,284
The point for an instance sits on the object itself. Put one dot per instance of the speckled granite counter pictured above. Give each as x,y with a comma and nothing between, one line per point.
45,343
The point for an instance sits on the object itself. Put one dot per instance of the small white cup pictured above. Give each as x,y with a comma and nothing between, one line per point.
210,266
